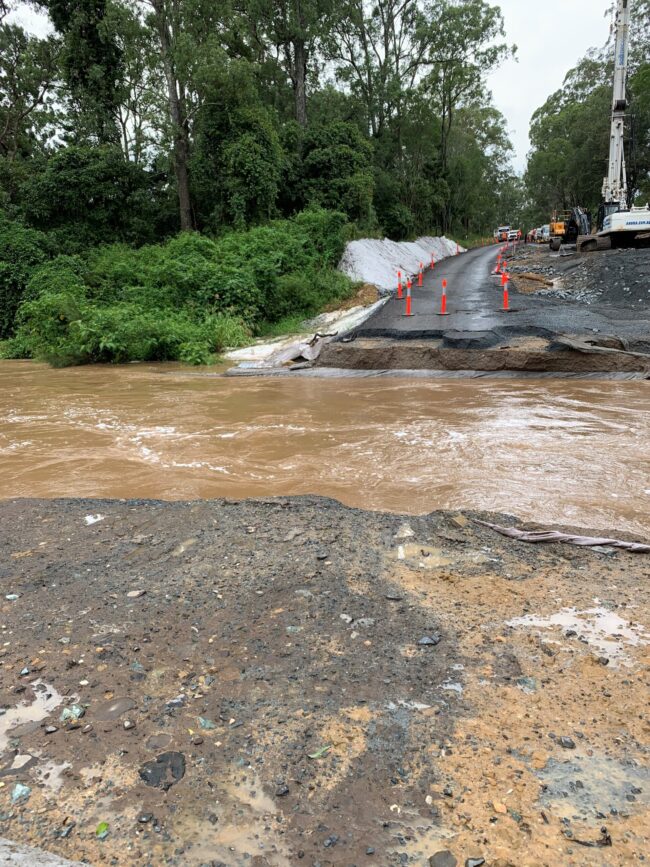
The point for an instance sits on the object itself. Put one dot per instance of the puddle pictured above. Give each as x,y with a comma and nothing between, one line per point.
20,763
418,837
113,709
603,630
252,795
424,556
159,742
51,775
46,699
587,786
452,686
409,705
245,831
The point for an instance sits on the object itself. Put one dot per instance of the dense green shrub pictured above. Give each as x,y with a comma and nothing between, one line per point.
47,323
21,251
180,273
15,347
305,294
183,300
66,328
328,232
61,274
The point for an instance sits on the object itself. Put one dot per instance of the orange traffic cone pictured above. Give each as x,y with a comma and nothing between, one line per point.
408,311
506,298
443,300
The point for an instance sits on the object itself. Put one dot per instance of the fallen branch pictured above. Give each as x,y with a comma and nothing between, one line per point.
537,278
603,841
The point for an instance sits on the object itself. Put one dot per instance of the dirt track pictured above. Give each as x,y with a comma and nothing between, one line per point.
293,629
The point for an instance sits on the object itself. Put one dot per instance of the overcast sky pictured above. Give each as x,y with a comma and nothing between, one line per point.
551,36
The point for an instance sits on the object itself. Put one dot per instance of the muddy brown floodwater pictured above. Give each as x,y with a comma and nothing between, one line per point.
556,451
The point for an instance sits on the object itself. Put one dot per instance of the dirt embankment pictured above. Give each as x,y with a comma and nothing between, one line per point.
291,681
520,354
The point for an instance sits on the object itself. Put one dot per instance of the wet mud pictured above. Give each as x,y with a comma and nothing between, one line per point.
290,681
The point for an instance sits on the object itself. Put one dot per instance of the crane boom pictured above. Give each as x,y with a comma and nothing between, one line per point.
619,225
615,184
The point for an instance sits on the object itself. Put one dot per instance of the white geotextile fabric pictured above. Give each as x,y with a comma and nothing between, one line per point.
557,536
378,261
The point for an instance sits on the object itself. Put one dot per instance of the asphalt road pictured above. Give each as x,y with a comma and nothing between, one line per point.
476,318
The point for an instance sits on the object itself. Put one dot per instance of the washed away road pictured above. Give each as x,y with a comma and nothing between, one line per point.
476,320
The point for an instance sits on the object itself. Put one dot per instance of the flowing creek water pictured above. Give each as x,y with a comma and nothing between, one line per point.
556,451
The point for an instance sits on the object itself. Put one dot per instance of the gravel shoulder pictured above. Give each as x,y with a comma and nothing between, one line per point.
290,681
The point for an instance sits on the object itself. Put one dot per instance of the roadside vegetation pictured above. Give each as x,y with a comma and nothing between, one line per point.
186,299
176,176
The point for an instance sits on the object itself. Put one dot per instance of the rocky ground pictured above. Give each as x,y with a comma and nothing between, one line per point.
616,278
294,682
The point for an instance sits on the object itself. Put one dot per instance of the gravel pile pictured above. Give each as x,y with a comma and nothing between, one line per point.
618,278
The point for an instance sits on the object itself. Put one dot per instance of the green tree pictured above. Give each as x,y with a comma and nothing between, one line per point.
28,68
21,251
237,158
167,20
141,104
90,195
570,132
337,170
291,30
92,65
462,46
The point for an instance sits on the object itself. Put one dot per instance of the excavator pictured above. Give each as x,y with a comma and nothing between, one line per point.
618,225
567,226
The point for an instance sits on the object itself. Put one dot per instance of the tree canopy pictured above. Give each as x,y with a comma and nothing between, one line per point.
254,109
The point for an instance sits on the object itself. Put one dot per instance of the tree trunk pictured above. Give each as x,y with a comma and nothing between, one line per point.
299,80
178,118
